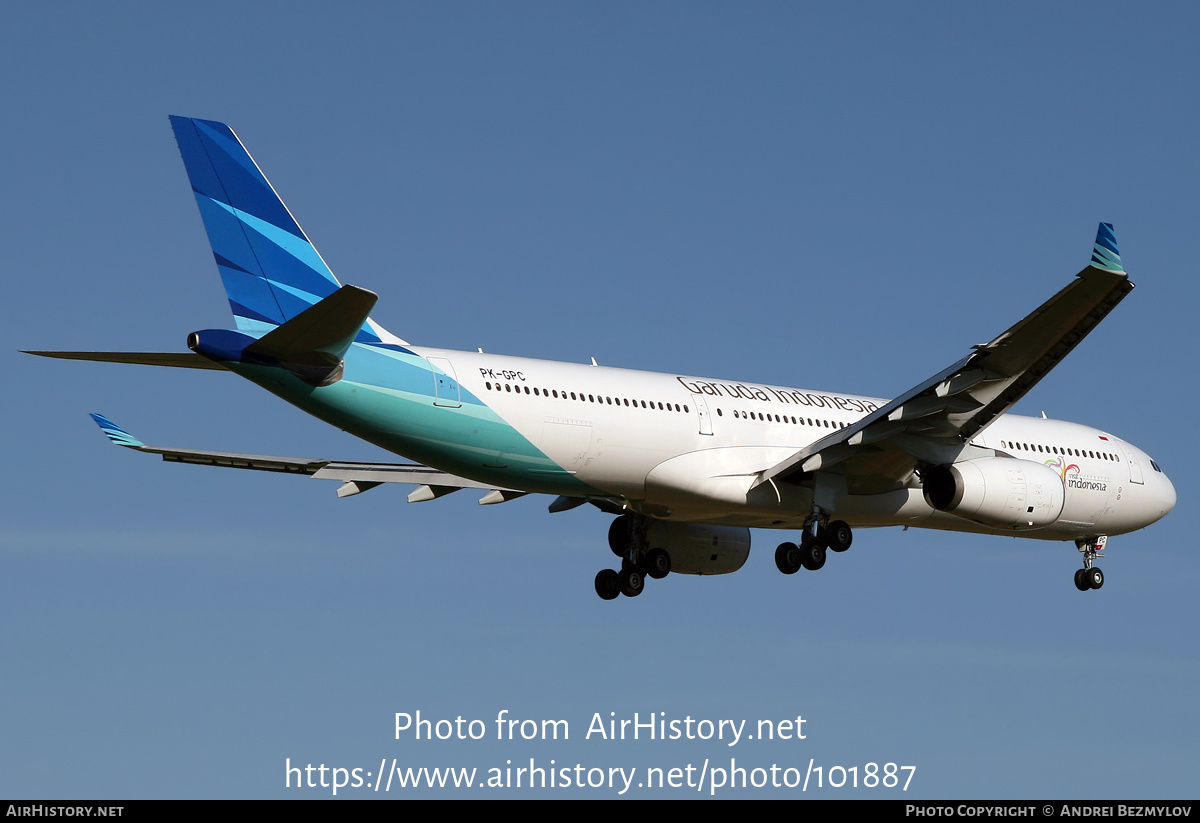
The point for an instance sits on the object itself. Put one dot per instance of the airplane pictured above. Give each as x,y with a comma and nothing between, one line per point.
687,465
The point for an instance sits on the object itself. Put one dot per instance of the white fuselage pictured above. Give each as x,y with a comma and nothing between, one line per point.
685,448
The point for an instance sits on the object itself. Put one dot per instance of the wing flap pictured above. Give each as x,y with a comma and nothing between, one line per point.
327,327
233,460
413,473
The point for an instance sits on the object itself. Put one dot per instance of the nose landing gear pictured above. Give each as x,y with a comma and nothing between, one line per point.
1090,577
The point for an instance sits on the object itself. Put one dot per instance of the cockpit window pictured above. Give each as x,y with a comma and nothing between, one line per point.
1156,468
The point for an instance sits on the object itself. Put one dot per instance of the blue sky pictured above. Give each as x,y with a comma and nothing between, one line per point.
837,196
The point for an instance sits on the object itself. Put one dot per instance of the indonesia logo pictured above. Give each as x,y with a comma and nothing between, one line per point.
1062,467
1069,472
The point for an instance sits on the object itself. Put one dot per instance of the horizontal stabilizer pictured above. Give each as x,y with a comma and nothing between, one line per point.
310,345
328,327
177,360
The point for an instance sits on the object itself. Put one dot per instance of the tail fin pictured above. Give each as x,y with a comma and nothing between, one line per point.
271,271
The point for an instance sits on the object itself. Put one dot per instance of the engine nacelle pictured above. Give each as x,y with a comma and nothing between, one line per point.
697,549
1003,492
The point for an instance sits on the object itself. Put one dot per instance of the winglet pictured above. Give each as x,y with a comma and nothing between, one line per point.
115,433
1104,253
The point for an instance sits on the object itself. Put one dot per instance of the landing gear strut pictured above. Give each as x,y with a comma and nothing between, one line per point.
627,539
1090,577
819,535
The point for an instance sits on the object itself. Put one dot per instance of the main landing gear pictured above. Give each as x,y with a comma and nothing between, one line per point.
1090,577
627,539
818,536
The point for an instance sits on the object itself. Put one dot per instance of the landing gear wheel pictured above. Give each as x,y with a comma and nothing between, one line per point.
812,554
787,558
1081,581
657,563
618,535
608,584
838,536
632,582
1095,577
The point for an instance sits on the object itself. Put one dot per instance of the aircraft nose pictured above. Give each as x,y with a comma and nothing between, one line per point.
1166,495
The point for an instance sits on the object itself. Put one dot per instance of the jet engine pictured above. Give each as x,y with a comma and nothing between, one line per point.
1002,492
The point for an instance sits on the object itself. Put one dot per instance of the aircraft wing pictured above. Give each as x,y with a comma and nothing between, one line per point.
355,477
934,421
